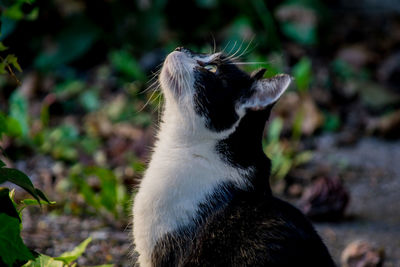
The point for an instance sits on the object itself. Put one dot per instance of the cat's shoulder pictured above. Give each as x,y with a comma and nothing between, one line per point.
267,232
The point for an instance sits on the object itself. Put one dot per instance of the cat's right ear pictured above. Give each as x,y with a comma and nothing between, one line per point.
267,91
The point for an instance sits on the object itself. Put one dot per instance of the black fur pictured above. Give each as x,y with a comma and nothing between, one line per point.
218,93
238,227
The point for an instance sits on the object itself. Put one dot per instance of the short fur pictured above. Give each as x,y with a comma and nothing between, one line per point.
205,199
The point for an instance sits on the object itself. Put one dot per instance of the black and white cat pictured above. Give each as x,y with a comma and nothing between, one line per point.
205,198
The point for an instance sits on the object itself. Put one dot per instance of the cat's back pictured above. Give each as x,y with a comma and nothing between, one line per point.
258,232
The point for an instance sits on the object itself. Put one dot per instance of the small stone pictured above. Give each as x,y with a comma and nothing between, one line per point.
362,254
325,199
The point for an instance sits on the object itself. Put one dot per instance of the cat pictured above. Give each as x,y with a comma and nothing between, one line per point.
205,198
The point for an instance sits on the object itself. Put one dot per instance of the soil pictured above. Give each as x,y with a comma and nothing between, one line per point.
370,170
372,176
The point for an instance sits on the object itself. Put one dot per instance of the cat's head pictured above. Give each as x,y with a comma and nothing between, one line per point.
208,92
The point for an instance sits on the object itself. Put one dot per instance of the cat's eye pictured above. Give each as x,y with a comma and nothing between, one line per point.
211,67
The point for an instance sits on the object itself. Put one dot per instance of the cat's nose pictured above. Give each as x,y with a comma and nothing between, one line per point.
179,48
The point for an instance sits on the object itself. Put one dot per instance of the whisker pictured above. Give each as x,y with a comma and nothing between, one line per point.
223,50
214,43
240,47
247,63
148,101
247,47
234,45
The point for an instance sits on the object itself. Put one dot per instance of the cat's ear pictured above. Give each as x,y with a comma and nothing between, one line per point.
267,91
258,74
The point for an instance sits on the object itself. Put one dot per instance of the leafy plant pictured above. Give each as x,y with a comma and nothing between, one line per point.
64,260
11,12
283,154
12,248
101,190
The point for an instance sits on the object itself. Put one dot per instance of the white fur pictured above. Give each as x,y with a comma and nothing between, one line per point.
184,167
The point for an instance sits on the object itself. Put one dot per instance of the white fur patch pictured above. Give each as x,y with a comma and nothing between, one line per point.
179,177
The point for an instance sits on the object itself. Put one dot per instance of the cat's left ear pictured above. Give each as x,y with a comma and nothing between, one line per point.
267,91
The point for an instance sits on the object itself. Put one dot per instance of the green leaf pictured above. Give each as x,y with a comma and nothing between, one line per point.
126,64
301,24
19,111
19,178
13,60
90,100
33,15
13,127
303,34
30,202
302,73
7,205
3,47
302,158
44,261
68,257
12,248
274,130
42,195
3,125
2,164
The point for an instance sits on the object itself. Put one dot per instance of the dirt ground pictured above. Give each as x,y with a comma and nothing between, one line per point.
370,170
373,179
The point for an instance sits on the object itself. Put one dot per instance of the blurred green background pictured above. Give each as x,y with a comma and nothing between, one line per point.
76,113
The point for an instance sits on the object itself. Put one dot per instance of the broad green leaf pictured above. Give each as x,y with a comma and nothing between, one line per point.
19,178
12,248
42,195
7,205
2,164
13,127
44,261
68,257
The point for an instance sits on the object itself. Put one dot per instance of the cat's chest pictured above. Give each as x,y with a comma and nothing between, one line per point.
174,185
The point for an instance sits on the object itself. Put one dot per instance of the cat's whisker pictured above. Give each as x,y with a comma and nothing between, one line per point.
247,63
148,101
151,86
237,51
214,43
223,50
234,45
247,47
